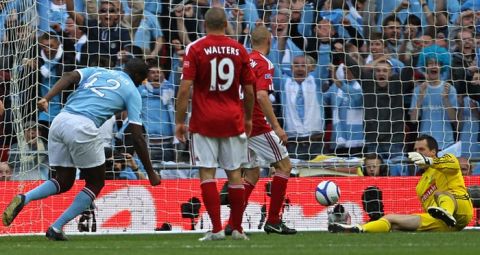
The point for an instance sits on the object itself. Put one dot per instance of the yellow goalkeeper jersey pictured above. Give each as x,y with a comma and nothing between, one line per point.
443,175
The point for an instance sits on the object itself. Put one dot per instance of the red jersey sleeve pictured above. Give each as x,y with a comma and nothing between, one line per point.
246,75
189,69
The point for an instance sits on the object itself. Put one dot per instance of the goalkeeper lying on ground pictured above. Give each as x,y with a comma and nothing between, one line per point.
441,191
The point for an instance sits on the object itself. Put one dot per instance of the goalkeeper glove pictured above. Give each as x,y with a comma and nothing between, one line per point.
419,159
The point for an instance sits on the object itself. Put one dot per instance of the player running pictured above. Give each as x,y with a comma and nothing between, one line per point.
74,141
441,190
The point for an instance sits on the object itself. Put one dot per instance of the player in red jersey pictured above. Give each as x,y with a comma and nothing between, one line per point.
215,66
265,143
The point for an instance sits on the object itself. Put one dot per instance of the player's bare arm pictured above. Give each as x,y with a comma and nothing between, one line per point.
181,109
67,80
248,102
140,146
267,109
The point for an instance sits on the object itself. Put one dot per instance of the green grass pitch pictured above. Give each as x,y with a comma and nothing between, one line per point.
458,243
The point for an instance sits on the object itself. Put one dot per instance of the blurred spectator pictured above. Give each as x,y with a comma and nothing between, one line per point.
320,48
373,165
445,11
5,172
469,113
187,25
411,33
345,19
279,28
236,27
346,101
380,53
383,102
391,28
177,63
105,36
52,62
465,166
303,112
158,114
148,35
29,161
122,166
53,14
75,39
464,60
434,106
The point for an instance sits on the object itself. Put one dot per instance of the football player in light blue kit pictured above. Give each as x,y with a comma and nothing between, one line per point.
74,140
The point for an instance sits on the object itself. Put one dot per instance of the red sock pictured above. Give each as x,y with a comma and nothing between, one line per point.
211,200
236,197
279,186
248,191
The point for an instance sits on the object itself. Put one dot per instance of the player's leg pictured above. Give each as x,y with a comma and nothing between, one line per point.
205,150
233,153
268,147
251,174
94,182
385,224
236,197
58,156
447,205
250,179
274,223
61,183
86,150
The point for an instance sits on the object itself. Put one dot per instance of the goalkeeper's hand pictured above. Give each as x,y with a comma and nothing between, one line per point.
419,159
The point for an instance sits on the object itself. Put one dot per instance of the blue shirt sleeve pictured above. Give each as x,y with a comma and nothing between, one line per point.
85,73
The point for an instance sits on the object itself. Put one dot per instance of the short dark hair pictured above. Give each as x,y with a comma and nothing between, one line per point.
413,20
376,36
136,66
389,19
431,142
215,18
49,36
383,166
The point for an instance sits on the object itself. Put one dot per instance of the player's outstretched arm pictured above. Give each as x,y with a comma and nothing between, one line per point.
68,79
181,109
140,146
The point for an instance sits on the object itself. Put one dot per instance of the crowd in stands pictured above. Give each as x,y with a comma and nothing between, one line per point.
352,77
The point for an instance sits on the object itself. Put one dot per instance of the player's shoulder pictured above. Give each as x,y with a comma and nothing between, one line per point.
258,60
197,43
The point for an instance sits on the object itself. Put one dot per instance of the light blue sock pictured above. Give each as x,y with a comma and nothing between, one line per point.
46,189
81,202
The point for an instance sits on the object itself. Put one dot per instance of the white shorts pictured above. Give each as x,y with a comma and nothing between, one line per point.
228,153
265,148
74,141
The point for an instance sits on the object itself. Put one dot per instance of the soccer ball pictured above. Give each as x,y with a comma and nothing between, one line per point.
327,193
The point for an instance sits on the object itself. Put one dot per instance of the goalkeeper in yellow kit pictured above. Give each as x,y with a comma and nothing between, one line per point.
441,190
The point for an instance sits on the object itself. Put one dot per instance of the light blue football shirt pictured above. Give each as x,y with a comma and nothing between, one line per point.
101,93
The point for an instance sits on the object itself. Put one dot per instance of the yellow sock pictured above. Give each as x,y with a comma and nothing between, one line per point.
379,226
446,202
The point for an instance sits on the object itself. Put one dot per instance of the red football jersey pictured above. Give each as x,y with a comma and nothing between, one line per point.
263,70
217,65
